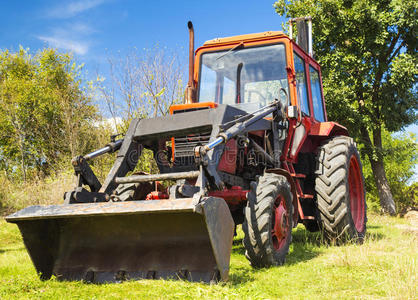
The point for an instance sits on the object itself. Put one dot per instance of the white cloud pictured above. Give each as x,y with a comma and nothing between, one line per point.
77,47
74,36
81,28
72,30
73,8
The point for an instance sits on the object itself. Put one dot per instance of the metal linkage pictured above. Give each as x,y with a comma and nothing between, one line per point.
156,177
238,128
109,148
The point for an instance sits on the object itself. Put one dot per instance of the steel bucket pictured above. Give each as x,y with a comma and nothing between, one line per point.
117,241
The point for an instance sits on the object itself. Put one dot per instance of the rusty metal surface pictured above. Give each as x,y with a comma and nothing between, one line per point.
174,126
155,177
220,227
97,209
191,122
111,242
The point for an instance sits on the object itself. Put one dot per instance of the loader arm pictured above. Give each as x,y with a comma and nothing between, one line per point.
126,160
207,156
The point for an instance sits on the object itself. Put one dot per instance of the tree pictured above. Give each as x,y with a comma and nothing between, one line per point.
143,84
368,53
44,113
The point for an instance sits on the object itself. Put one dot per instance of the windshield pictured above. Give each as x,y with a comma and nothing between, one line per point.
246,77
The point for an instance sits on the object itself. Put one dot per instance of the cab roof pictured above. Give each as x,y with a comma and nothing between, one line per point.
244,37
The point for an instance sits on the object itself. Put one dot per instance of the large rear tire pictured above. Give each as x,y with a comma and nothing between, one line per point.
268,221
340,191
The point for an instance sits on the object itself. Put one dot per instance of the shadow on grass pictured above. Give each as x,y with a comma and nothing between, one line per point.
305,246
301,253
303,249
302,236
374,226
238,247
11,249
242,275
374,236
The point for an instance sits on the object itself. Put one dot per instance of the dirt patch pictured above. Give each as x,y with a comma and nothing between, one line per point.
412,227
412,216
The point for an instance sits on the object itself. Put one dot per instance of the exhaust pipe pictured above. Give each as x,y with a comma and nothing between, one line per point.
190,89
310,50
301,39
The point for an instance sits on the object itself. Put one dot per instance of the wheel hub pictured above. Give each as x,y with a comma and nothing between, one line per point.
280,223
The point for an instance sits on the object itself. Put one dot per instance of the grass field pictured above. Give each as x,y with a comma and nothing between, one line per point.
385,266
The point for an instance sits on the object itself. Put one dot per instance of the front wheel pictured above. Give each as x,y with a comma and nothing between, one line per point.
340,191
268,221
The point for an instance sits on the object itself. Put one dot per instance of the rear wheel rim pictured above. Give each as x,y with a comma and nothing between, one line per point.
356,189
280,225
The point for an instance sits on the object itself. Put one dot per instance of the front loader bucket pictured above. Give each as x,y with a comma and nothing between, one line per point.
116,241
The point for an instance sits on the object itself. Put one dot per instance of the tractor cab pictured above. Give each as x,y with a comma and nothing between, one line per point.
249,77
250,71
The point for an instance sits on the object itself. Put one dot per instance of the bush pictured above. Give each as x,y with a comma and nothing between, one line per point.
15,195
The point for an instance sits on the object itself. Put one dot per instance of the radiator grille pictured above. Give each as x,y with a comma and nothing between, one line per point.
184,146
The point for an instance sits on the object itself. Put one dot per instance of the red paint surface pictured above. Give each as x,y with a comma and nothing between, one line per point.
228,162
232,196
280,225
157,196
355,184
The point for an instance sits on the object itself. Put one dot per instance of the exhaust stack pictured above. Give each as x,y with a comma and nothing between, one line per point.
304,37
191,89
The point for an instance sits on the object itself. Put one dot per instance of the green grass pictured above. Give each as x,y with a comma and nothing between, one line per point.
385,266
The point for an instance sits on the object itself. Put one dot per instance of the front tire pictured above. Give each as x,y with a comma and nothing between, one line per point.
268,221
132,191
340,191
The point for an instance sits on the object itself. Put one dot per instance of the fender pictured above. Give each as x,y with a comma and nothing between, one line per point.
327,129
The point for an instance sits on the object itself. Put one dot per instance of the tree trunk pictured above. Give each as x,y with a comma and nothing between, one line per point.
383,188
385,195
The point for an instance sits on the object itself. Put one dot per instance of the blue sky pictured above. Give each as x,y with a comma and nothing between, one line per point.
94,29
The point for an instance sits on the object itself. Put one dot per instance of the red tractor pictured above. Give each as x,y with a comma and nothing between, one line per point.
251,145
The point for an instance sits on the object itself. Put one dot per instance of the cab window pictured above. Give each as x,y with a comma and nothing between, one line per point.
259,73
316,94
208,92
302,92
